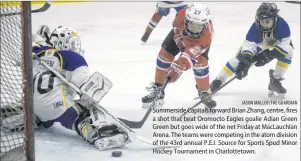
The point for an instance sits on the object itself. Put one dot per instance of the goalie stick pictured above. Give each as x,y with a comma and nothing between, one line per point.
98,107
44,8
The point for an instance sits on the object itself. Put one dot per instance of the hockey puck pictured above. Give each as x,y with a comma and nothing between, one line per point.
116,153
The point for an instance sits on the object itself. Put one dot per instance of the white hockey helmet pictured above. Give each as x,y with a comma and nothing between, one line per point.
201,6
196,20
66,38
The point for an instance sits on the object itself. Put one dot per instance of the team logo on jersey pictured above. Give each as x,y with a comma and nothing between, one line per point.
58,104
49,62
196,50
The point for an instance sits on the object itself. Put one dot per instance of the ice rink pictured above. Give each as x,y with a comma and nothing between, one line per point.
111,33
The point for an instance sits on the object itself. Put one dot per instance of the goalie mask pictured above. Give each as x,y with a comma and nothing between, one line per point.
66,38
266,17
196,21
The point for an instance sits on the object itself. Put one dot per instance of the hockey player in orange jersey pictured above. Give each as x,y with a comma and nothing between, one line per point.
191,36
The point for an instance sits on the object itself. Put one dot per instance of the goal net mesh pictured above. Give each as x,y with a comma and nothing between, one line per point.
12,82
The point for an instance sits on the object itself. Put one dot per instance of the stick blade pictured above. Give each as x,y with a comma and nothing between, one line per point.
131,124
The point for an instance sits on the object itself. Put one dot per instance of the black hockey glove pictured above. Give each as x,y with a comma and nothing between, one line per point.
243,66
263,58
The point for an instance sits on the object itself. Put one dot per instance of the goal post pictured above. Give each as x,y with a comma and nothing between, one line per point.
16,86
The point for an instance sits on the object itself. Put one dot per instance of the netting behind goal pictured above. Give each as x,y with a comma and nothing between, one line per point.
15,82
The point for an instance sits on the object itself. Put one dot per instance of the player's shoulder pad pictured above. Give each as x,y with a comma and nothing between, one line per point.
72,60
282,28
254,35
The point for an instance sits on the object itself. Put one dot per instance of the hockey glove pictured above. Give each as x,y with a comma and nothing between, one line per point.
178,40
263,58
243,66
174,72
44,32
177,67
38,41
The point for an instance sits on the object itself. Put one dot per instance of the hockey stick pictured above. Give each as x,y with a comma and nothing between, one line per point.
44,8
98,107
212,93
294,2
139,124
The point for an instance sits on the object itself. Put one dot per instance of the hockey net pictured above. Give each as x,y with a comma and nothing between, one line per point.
15,82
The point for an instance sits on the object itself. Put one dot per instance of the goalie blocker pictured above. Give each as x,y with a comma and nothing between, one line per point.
94,89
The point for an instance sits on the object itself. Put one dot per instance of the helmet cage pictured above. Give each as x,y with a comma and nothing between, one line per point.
266,12
194,30
66,39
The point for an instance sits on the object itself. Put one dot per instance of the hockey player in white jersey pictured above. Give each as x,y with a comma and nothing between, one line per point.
55,102
267,39
162,9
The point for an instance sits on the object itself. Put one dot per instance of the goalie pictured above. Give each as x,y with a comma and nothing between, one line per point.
54,102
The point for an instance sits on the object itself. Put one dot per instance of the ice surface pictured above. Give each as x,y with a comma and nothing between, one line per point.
111,32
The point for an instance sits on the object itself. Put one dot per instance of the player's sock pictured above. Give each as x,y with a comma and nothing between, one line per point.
151,26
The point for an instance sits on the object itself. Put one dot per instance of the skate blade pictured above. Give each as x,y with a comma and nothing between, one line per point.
158,103
276,95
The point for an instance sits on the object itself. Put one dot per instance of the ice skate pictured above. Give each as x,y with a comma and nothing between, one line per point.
275,86
150,98
145,37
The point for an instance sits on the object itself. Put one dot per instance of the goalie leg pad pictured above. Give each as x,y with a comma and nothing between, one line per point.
99,133
95,89
113,141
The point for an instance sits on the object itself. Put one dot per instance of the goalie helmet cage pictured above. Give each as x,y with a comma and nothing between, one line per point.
16,124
